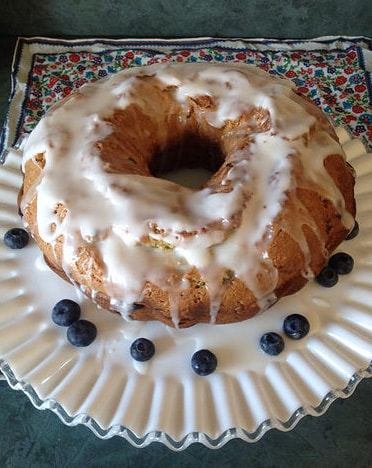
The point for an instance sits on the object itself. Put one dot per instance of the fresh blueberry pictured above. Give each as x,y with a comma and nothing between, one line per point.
65,312
81,333
328,277
142,349
341,262
354,232
272,343
296,326
16,238
204,362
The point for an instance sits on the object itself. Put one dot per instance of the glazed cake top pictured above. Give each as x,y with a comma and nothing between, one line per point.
116,211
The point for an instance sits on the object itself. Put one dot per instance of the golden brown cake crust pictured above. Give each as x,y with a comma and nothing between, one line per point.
292,255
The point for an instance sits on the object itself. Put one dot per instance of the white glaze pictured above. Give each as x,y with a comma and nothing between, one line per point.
99,208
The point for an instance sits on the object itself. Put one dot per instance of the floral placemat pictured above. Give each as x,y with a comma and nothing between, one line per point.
334,72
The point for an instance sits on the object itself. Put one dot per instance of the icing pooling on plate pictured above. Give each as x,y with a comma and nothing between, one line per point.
115,211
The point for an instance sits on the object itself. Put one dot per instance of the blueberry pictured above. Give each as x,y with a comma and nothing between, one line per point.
65,312
203,362
354,232
341,262
81,333
142,349
16,238
296,326
328,277
272,343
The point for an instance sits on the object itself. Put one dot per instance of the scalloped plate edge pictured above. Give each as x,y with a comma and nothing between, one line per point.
192,437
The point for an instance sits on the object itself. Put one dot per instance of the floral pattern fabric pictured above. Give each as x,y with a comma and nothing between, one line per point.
334,78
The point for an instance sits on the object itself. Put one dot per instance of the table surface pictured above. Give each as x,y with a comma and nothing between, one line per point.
340,438
186,18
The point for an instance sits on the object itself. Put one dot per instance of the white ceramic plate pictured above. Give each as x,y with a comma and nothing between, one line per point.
164,400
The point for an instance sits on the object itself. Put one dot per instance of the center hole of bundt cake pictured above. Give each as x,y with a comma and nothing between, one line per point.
189,161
